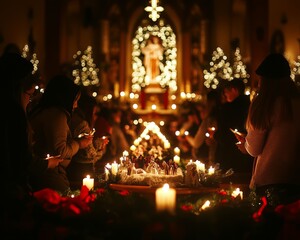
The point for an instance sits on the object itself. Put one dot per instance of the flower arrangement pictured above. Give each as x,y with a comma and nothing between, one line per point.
108,214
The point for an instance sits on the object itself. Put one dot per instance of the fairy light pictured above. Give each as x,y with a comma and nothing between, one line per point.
33,59
219,69
167,64
239,68
86,73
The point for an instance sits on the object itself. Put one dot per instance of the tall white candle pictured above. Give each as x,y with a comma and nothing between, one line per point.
114,168
165,198
89,182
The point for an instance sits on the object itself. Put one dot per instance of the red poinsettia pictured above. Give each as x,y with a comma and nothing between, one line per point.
290,212
257,216
51,201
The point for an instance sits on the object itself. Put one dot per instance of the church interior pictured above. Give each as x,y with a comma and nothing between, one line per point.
154,60
115,35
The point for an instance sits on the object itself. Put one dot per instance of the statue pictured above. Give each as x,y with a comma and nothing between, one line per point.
153,52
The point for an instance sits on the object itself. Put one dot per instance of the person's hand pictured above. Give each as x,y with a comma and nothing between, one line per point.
241,147
53,162
105,140
210,141
85,141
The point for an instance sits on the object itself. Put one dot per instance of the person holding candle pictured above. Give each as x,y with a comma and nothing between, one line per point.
83,121
233,114
203,148
16,155
49,120
273,133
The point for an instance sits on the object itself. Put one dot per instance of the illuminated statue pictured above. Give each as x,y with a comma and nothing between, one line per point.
153,52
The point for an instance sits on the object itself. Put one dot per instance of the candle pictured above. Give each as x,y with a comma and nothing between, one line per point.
165,198
200,166
177,150
89,182
125,154
114,168
167,144
205,205
176,159
211,170
236,193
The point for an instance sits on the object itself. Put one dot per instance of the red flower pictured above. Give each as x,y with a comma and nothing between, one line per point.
85,195
49,199
100,191
223,192
74,206
187,208
124,193
290,212
257,216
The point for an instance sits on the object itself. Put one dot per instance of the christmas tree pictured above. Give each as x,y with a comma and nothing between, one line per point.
85,71
239,68
295,74
219,70
31,57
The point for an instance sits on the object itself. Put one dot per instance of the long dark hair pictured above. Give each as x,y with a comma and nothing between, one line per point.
60,92
270,91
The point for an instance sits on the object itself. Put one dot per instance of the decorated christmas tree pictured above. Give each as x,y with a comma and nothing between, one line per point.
219,70
295,74
239,68
32,57
85,71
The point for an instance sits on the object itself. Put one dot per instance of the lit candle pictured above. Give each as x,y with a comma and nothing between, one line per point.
176,159
133,148
125,154
177,150
89,182
167,144
205,205
114,168
200,166
165,198
211,170
237,192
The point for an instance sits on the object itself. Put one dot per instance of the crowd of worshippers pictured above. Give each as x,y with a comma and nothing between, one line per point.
58,137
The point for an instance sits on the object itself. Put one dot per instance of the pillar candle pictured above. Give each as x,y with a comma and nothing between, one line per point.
165,198
89,182
114,168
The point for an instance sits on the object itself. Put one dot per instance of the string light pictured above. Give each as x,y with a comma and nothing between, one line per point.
86,72
219,69
167,64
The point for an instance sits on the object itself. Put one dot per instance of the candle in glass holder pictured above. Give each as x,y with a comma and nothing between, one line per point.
89,182
165,198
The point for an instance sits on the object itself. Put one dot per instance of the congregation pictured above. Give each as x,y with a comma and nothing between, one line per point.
55,138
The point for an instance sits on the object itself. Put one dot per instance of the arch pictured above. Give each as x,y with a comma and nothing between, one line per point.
173,23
